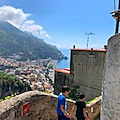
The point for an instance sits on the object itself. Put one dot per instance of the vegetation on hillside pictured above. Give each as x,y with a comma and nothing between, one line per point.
9,85
14,41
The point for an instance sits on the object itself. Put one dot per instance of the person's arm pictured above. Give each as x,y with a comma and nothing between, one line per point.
84,111
73,108
62,109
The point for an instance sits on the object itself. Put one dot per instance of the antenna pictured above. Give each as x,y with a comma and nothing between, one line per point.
116,15
88,37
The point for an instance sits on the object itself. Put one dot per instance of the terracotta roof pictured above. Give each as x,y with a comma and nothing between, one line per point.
66,70
47,86
6,69
104,50
32,82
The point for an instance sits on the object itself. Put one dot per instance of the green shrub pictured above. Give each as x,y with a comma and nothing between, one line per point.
46,91
8,97
1,100
15,94
12,95
74,93
91,100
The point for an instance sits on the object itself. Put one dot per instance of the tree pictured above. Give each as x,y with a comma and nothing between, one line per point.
9,85
74,92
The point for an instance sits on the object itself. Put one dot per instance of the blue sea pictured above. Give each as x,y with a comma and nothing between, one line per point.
64,63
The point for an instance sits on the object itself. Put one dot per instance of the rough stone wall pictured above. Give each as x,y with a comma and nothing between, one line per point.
94,109
62,79
42,107
111,84
88,67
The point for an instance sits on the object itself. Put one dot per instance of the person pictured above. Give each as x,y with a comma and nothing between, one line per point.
62,104
81,109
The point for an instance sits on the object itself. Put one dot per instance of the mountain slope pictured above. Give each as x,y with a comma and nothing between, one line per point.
12,40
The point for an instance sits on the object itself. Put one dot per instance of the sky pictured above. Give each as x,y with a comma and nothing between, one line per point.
63,23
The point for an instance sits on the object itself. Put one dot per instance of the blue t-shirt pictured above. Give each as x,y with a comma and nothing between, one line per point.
61,101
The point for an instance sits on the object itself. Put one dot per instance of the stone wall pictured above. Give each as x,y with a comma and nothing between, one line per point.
94,109
87,66
62,79
111,85
42,107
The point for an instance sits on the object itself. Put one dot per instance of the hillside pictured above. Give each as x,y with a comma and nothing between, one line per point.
12,40
9,86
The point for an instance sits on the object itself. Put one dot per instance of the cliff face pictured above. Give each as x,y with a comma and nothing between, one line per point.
36,105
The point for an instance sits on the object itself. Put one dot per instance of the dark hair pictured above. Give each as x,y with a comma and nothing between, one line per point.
65,88
82,95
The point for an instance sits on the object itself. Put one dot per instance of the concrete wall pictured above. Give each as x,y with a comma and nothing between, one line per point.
111,85
62,79
87,66
42,107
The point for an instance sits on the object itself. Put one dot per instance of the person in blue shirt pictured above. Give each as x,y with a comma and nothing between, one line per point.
62,104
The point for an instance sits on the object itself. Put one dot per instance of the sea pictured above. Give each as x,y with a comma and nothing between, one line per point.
65,63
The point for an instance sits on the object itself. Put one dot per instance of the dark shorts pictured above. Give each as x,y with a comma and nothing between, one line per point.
80,118
61,117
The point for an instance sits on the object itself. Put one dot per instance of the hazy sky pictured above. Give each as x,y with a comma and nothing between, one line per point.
63,22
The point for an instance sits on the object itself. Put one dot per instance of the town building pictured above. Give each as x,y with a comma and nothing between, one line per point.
62,77
32,77
86,71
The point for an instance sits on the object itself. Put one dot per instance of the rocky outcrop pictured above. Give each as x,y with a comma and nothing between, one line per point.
40,106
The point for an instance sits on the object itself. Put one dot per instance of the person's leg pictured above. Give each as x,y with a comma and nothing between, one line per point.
65,118
80,118
58,117
61,117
